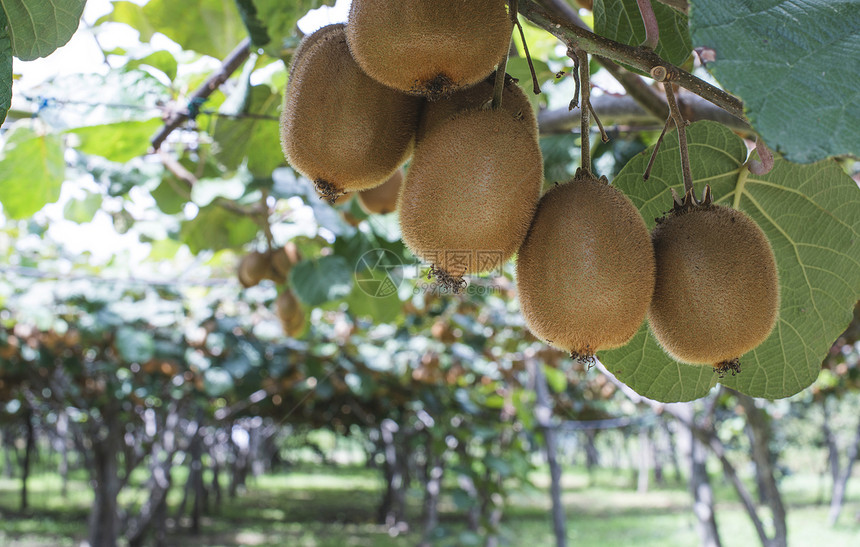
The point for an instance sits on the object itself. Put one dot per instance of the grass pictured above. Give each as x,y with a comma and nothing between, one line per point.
317,506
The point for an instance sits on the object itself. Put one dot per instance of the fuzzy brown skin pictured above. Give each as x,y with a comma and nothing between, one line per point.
382,199
471,191
253,268
717,292
340,128
290,313
514,100
428,47
585,273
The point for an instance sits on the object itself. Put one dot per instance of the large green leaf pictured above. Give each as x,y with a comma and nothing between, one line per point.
216,228
211,27
132,15
810,215
316,282
621,21
5,69
255,138
794,64
272,23
38,27
118,142
32,170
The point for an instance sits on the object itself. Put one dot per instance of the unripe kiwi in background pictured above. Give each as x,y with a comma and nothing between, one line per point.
282,261
428,47
471,191
514,100
717,291
340,128
290,313
382,199
253,268
585,273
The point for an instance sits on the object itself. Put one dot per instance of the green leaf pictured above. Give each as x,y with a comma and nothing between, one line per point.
258,140
134,346
38,27
82,210
160,60
809,214
33,170
794,64
272,23
319,281
216,228
621,21
132,15
5,69
211,27
381,309
555,378
119,142
167,195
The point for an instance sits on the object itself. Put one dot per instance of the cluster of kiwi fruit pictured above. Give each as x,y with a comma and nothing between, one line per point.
275,265
415,79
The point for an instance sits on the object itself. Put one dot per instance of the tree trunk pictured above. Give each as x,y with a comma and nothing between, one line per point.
644,465
543,415
30,437
104,522
63,445
830,442
434,469
392,508
700,485
764,462
841,483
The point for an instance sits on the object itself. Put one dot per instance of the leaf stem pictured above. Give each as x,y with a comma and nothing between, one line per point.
652,32
647,172
764,164
681,126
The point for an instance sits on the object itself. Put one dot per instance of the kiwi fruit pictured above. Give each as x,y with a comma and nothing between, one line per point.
514,100
585,273
428,47
290,313
339,127
717,290
282,260
253,268
382,199
470,193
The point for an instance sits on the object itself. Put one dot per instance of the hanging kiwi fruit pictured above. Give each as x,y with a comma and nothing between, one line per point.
339,127
471,192
717,290
428,47
253,268
290,313
585,273
514,100
382,199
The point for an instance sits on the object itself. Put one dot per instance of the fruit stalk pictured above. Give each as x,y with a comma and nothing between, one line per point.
681,125
585,109
652,32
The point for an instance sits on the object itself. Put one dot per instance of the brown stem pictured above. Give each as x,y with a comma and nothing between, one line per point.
233,61
681,125
585,92
647,172
764,164
652,32
535,83
637,57
575,73
645,95
499,83
603,136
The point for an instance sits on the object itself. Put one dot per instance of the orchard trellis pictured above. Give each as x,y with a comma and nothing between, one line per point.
208,142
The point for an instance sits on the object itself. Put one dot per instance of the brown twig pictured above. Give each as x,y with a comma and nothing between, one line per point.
233,61
637,57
